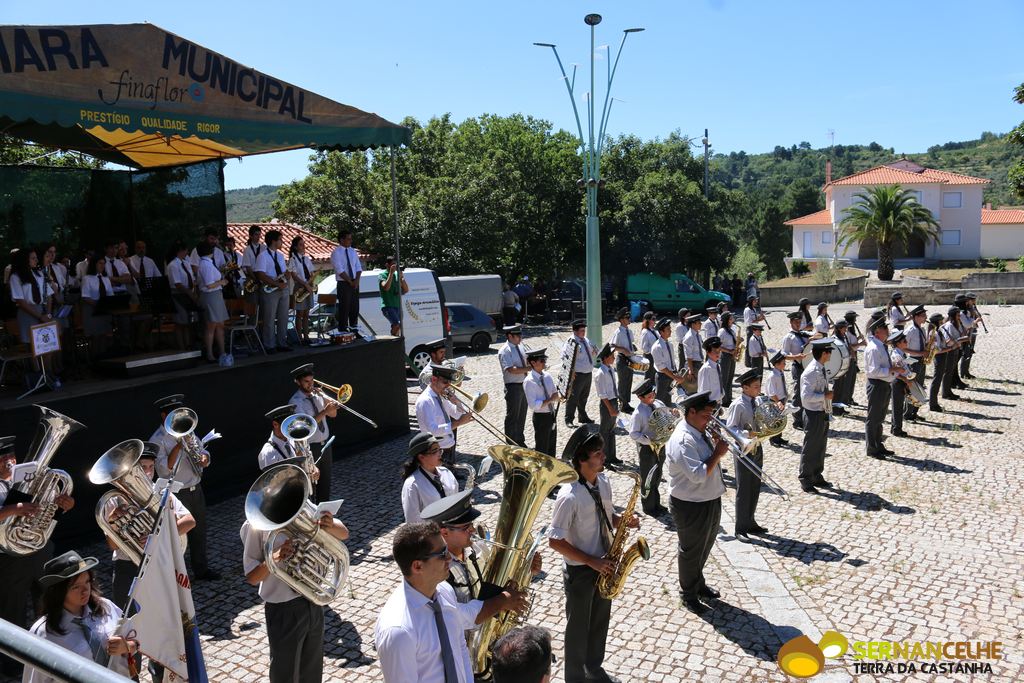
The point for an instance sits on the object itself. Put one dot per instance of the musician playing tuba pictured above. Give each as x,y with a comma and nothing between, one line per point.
582,528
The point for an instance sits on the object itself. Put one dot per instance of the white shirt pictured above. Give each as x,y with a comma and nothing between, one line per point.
208,274
692,347
295,264
311,404
512,356
435,414
749,316
538,388
23,291
186,473
776,386
144,266
896,317
641,421
709,328
346,260
179,273
274,450
756,346
82,269
813,386
74,639
217,256
115,267
679,332
664,356
265,264
575,519
604,383
709,378
272,589
821,324
916,339
584,357
741,414
728,337
418,492
687,454
252,251
408,644
793,344
91,287
60,274
623,337
951,333
647,339
876,361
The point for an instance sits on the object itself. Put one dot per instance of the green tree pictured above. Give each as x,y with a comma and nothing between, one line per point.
802,197
889,215
1016,137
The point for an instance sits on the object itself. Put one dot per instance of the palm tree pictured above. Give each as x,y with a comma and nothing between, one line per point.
887,214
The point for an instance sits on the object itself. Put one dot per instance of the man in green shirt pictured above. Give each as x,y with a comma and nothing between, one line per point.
389,298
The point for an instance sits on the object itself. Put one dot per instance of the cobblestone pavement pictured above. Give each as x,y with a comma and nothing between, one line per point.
927,545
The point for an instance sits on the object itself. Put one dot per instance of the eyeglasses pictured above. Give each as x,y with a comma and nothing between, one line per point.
434,450
442,554
460,527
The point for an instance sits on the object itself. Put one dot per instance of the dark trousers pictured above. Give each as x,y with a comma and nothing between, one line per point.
649,461
577,401
195,502
515,412
795,371
545,433
839,388
968,354
324,461
851,380
508,315
19,574
899,404
295,630
681,357
624,378
757,363
939,379
952,380
348,305
697,526
748,490
586,624
607,428
917,367
663,388
650,366
879,392
812,456
728,366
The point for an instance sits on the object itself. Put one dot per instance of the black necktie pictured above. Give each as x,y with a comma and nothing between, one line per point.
615,387
435,481
277,266
320,424
103,286
602,517
186,268
348,262
522,361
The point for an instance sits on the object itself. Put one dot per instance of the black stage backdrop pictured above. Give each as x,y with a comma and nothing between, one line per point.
232,400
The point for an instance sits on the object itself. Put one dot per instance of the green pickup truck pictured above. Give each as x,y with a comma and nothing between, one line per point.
669,294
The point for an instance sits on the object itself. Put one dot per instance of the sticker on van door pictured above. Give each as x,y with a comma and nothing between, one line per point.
422,309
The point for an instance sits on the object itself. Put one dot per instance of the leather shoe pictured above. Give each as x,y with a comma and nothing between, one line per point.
951,396
887,451
656,512
936,409
808,488
758,529
880,455
823,484
742,537
628,410
709,592
586,421
898,432
695,605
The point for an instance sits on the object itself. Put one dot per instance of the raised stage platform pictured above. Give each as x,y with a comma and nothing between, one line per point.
232,400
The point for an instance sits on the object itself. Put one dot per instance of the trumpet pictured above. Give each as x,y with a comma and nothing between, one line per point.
741,447
341,396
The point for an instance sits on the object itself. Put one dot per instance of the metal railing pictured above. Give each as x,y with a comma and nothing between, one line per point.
55,660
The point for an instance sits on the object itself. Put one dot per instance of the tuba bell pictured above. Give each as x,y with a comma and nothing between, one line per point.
25,535
278,502
120,467
181,424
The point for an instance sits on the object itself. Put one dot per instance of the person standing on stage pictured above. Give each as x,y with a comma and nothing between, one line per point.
648,337
253,249
183,289
390,299
608,400
576,404
583,524
211,299
854,340
793,348
665,363
419,631
622,344
940,379
173,463
696,486
917,339
709,378
308,399
756,351
679,332
211,237
650,461
541,398
424,479
691,348
142,264
727,360
514,370
880,374
271,271
437,414
300,272
814,393
709,328
295,626
777,391
901,365
748,484
347,269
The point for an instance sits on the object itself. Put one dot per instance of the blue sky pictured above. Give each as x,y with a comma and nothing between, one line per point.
757,73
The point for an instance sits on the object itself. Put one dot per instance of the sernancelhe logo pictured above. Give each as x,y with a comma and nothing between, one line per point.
802,658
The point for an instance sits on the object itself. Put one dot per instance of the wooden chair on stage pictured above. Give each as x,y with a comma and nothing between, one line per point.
245,324
322,320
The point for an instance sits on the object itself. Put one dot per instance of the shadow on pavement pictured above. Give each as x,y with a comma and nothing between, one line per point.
867,501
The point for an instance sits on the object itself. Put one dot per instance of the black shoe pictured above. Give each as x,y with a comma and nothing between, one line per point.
886,451
613,461
961,385
936,409
898,432
951,396
798,426
758,529
776,442
742,537
877,456
808,488
838,412
709,592
823,484
628,410
694,605
208,575
968,375
656,512
586,421
912,418
569,425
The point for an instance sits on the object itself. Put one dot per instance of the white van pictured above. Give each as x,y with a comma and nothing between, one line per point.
424,315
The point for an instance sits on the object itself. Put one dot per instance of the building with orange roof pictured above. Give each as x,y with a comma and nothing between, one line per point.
968,231
317,248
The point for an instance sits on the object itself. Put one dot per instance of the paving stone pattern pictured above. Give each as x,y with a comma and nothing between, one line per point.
927,545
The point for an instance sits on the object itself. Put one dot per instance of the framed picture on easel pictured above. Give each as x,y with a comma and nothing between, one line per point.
45,340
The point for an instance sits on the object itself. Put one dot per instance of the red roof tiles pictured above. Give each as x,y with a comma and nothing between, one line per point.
822,217
905,173
1001,216
318,248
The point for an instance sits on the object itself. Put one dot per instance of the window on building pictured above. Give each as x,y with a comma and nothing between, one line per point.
951,238
917,195
826,237
952,200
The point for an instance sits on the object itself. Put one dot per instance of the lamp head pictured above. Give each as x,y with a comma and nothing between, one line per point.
633,30
592,19
544,44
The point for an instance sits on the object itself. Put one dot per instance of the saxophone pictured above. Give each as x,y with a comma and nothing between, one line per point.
929,349
610,585
26,535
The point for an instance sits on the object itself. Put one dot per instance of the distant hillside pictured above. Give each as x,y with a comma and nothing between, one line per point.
251,204
768,174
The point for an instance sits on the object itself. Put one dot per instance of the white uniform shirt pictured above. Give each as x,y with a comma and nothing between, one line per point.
813,386
74,639
604,383
145,266
728,337
265,264
776,385
741,414
575,518
538,388
648,337
23,291
749,316
272,589
295,264
249,256
821,325
896,317
512,356
435,414
311,404
917,338
898,359
82,269
115,267
209,274
60,275
664,356
877,364
217,256
179,273
346,260
623,337
692,347
687,454
793,344
584,357
418,492
639,431
756,346
408,644
91,286
679,332
186,473
274,450
709,378
709,328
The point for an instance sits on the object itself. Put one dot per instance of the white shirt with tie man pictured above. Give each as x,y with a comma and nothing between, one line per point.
665,363
576,403
307,400
691,345
347,269
880,375
439,416
512,360
541,398
142,264
709,328
270,271
709,378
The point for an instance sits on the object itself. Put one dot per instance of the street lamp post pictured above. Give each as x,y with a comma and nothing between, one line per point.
592,146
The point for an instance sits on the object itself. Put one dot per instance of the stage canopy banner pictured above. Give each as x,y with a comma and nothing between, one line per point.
137,95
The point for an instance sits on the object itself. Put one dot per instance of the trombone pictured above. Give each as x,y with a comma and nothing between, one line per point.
477,405
340,397
741,447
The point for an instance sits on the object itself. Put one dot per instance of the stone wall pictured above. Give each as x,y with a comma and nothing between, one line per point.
993,281
991,288
844,290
